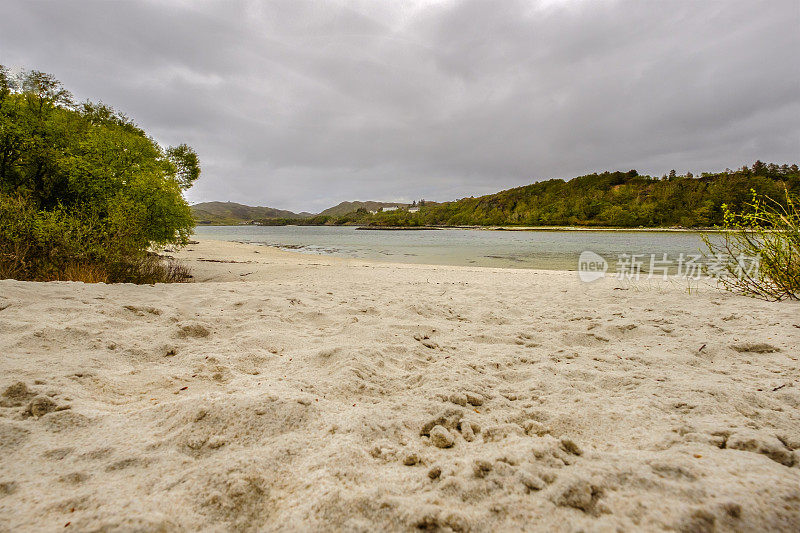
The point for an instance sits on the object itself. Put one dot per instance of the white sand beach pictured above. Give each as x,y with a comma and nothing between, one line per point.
288,392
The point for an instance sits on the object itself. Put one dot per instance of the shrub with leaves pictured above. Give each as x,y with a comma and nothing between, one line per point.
768,231
82,188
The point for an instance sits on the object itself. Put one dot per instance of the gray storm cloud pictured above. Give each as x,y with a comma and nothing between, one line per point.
300,105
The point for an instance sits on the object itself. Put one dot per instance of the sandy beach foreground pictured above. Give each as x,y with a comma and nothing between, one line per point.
288,392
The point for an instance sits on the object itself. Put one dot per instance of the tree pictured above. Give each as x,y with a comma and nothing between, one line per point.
83,184
186,163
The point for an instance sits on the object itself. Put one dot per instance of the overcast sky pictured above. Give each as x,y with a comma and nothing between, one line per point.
300,105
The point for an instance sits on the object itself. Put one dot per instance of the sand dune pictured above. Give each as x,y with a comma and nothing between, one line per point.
287,392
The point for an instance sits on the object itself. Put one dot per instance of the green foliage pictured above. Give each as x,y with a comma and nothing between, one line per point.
769,232
83,185
613,199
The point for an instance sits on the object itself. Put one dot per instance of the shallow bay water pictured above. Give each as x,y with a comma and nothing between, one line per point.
545,250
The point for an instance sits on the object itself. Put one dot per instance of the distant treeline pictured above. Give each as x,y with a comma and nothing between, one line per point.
614,199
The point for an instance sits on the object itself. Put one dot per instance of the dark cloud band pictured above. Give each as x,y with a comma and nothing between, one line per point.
300,105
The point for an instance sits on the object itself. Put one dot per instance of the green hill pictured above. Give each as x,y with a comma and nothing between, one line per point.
608,199
618,199
228,213
348,207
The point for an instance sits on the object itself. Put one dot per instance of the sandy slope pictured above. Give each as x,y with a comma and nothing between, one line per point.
308,393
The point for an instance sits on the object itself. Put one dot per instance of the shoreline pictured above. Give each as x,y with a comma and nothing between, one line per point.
488,228
215,260
214,251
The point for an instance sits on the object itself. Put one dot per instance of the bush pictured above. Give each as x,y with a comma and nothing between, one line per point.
768,231
85,193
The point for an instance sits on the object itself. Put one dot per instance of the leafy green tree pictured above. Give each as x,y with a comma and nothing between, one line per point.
82,184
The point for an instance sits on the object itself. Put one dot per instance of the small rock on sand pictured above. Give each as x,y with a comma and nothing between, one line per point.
459,399
448,418
474,399
41,405
467,433
576,493
532,427
7,487
481,468
194,330
441,438
411,459
530,481
570,446
16,395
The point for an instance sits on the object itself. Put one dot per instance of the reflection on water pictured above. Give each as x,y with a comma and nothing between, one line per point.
547,250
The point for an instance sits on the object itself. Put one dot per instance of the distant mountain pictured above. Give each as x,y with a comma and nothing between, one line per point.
348,207
231,213
225,213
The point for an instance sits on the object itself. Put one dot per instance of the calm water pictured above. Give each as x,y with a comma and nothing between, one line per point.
548,250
